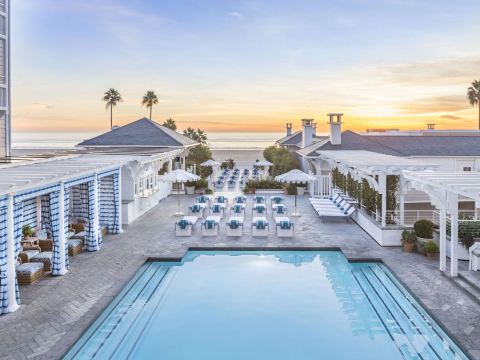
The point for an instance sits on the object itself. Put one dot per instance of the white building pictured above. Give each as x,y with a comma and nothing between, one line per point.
5,115
150,149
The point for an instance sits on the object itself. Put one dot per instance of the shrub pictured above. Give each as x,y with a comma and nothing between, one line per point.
263,184
190,183
209,191
227,164
282,160
27,230
424,228
430,247
201,184
291,189
409,237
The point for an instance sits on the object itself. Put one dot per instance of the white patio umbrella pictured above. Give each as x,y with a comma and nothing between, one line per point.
295,176
178,176
264,163
210,163
214,165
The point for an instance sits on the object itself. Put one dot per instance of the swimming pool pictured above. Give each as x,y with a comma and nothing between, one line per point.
264,305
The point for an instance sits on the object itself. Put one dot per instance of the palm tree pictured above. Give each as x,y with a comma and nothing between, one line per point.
111,97
473,96
171,124
197,135
150,99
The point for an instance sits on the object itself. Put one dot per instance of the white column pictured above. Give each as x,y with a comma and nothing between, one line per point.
383,188
453,204
401,200
182,165
119,200
11,260
61,228
170,166
443,239
96,221
39,212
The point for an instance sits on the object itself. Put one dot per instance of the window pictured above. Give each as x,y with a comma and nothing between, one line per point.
467,168
136,188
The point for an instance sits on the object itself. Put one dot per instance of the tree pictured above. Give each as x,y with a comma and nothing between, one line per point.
282,160
197,155
197,135
150,99
111,98
473,96
170,123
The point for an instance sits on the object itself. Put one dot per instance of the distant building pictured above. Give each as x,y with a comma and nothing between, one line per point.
5,114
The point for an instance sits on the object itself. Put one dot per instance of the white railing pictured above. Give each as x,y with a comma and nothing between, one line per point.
322,186
411,216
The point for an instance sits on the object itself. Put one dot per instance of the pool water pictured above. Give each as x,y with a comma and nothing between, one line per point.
264,305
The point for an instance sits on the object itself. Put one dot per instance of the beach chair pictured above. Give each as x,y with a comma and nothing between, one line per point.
279,209
198,210
220,199
210,226
234,226
284,226
259,210
240,199
260,226
203,199
474,257
184,226
238,210
276,199
218,210
259,199
336,213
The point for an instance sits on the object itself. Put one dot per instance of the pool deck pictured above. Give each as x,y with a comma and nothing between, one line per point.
56,310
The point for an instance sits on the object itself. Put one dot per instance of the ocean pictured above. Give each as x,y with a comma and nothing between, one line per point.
216,140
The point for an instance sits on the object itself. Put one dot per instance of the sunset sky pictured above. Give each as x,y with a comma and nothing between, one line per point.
245,65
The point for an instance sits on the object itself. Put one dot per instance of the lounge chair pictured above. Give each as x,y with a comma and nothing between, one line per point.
259,210
44,240
75,246
240,199
234,226
203,199
45,257
28,273
284,227
259,199
184,226
220,199
276,199
198,209
210,226
260,226
218,210
474,257
279,209
337,213
238,210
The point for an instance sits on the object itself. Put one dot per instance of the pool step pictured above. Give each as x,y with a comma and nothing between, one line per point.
468,287
404,323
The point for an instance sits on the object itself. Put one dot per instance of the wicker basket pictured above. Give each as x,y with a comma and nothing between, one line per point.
29,278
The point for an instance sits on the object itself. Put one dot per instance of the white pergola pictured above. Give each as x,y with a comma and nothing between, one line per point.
444,188
374,168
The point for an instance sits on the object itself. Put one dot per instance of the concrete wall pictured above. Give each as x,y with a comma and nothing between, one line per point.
388,236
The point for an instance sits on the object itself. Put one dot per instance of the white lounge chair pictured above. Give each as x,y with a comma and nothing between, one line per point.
337,213
276,200
210,226
279,209
234,226
218,210
260,226
184,226
259,199
240,199
198,210
237,210
284,226
474,257
259,210
221,199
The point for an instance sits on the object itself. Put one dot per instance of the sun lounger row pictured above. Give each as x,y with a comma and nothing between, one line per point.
234,226
337,206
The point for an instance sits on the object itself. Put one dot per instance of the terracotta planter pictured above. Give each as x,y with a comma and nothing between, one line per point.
408,247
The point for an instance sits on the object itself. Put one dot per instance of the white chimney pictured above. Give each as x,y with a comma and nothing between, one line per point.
289,129
314,129
335,128
307,132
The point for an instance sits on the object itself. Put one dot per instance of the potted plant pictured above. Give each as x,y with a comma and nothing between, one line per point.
409,240
27,231
201,185
424,231
431,248
190,187
301,188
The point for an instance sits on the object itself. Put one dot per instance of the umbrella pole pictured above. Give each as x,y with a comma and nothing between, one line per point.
178,213
295,213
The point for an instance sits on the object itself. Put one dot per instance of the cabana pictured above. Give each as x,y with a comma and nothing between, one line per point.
38,193
444,188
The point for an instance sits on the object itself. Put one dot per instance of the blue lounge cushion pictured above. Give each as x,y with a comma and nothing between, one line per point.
221,199
183,224
209,224
29,268
196,208
260,208
260,224
234,224
216,208
285,225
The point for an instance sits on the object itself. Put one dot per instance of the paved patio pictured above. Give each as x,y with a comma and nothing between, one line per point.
56,310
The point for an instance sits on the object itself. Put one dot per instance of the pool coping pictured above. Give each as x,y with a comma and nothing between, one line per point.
278,248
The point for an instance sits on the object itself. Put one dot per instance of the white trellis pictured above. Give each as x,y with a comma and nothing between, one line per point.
444,188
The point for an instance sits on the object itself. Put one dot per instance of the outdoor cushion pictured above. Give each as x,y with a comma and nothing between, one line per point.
260,208
239,199
196,208
42,234
30,253
183,224
202,199
74,242
221,199
209,224
277,199
234,224
260,224
280,209
285,225
216,208
476,252
29,268
237,209
259,199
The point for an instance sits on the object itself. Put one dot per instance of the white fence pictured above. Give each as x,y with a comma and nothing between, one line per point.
322,186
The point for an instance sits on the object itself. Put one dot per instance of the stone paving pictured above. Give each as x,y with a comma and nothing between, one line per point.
56,310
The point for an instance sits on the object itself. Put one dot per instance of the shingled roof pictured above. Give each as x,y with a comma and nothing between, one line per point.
143,132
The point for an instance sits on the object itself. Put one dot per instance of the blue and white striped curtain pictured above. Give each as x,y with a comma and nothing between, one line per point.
84,201
79,195
3,261
66,213
55,215
45,215
115,227
17,225
109,193
91,240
